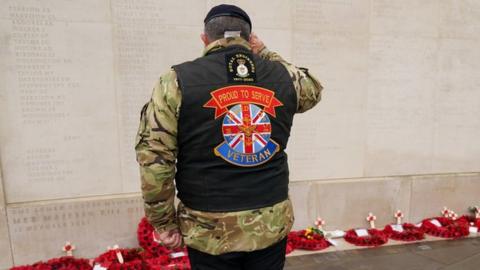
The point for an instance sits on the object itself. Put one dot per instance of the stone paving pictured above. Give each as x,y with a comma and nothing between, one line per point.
438,255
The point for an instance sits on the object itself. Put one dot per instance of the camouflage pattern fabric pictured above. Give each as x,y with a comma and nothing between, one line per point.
156,148
217,233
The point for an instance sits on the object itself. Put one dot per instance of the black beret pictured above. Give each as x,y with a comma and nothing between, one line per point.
228,10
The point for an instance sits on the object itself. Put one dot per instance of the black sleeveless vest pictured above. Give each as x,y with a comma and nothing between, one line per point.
235,118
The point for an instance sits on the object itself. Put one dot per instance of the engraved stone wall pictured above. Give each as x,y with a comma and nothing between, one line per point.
398,119
59,123
39,231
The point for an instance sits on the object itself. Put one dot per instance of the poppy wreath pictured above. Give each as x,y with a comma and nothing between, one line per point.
62,263
309,239
145,239
375,238
410,233
133,259
164,262
289,247
449,229
472,221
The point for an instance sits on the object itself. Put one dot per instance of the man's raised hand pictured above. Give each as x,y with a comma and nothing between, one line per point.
255,43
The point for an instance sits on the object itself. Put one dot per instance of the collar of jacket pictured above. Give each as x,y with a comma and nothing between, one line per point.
225,42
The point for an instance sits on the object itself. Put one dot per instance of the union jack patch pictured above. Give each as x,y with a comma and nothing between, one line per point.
246,126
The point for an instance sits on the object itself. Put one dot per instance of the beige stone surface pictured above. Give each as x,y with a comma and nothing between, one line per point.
422,104
329,16
279,40
400,119
302,195
6,257
39,230
328,141
5,251
457,106
345,203
406,18
144,36
431,193
60,102
459,19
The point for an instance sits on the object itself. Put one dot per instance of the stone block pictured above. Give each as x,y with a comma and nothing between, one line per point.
148,39
400,114
345,203
455,191
405,18
60,102
39,230
327,143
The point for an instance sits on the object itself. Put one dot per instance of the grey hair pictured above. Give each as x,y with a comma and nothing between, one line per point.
216,27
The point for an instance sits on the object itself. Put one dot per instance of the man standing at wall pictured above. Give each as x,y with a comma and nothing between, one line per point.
223,121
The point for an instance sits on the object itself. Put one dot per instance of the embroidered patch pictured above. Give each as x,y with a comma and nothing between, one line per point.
240,68
246,126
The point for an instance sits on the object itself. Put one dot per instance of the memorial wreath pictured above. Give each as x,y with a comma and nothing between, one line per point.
408,232
308,239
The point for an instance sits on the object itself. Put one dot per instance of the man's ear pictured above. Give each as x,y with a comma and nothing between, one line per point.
204,38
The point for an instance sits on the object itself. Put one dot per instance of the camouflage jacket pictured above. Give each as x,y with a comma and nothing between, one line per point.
156,148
